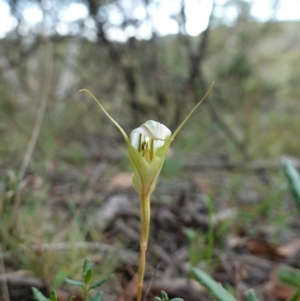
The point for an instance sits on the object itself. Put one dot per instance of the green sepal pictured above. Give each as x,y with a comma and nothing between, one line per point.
212,286
145,174
38,295
251,295
74,282
100,282
97,297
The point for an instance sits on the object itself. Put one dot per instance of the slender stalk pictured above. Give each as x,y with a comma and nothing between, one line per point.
85,292
41,111
145,224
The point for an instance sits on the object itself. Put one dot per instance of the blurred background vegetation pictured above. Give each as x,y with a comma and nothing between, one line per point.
61,159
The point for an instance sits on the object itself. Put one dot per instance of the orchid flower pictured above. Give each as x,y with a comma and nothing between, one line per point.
147,149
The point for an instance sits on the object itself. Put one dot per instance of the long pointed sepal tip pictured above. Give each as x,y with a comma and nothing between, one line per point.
106,113
193,110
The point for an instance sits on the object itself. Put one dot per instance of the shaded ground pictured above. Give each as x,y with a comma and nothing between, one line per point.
236,223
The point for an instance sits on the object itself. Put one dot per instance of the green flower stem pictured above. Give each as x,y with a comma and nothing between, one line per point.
145,224
85,292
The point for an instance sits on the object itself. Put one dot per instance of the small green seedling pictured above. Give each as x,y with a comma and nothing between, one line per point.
216,289
87,274
164,297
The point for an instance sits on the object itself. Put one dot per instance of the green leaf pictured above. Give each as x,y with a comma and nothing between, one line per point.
59,278
74,282
164,295
88,276
69,299
293,178
213,287
53,296
86,267
252,296
176,299
38,295
100,282
97,297
157,298
295,296
289,277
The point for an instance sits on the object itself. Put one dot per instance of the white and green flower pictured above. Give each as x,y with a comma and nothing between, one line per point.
147,149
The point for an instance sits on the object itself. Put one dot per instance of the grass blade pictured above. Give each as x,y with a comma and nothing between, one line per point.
213,287
294,179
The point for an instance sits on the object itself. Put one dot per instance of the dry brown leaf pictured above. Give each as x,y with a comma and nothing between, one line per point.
130,290
224,215
234,241
290,249
63,295
173,285
114,206
202,182
276,289
122,180
262,248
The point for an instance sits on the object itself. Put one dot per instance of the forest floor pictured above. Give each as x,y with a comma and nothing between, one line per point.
237,223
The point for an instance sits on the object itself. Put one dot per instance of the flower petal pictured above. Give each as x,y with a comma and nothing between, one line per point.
154,130
135,140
